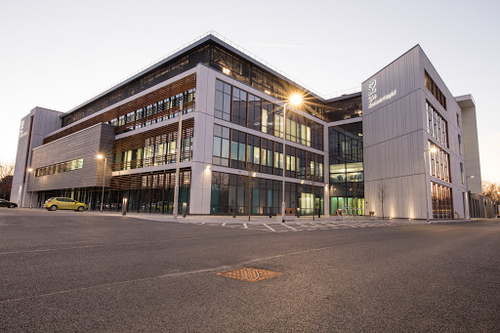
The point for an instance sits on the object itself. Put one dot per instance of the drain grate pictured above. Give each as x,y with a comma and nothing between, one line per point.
249,274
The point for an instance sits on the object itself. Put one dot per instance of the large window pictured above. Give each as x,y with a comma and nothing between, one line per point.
221,145
239,107
442,201
222,100
437,126
245,109
239,150
154,147
255,120
346,167
230,193
440,163
59,167
348,172
155,113
432,86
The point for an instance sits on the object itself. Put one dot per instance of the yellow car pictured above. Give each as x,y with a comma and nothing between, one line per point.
56,203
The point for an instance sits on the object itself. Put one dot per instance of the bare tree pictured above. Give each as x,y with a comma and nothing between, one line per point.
6,169
6,175
492,191
382,195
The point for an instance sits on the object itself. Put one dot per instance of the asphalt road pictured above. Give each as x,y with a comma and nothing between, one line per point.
77,272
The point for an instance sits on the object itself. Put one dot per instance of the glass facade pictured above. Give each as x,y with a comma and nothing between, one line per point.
59,167
167,108
433,88
346,168
345,108
148,192
442,201
239,150
439,163
437,126
244,109
210,54
232,193
154,147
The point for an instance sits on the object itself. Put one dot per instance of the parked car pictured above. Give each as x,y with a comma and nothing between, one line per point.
56,203
5,203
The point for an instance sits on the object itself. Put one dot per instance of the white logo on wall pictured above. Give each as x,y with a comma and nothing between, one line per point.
372,87
21,133
372,95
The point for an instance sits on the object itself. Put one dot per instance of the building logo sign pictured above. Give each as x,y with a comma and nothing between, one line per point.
373,99
372,87
21,131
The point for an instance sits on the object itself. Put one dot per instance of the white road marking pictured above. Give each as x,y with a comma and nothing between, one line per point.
245,226
224,224
268,227
283,224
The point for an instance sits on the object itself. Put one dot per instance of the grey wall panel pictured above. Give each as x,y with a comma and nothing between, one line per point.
44,121
85,144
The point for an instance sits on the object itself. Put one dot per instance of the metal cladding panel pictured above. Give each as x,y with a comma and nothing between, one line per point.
22,153
396,135
396,80
85,144
38,123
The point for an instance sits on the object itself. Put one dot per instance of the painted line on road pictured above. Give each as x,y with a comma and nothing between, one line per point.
268,227
224,224
283,224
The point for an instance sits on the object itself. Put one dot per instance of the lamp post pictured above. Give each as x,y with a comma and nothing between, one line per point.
101,156
30,170
295,99
432,150
177,162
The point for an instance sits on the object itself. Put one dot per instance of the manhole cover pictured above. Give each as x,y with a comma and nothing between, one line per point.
250,274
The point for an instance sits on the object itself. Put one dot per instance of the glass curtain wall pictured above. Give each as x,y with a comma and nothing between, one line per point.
244,109
230,193
346,168
148,193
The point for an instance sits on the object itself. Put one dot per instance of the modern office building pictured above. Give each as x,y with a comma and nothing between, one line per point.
402,146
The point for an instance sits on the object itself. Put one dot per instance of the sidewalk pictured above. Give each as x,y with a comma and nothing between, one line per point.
240,219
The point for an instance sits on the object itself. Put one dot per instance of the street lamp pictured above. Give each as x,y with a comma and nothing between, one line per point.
30,170
295,99
433,149
178,161
100,157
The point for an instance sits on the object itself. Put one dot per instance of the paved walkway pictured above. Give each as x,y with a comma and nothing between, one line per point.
264,223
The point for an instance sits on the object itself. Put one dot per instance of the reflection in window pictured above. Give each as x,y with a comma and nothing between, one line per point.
53,169
221,145
223,100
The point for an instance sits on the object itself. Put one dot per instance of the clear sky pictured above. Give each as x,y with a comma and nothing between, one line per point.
57,54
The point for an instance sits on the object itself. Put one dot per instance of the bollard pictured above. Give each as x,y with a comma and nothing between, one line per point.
184,209
124,207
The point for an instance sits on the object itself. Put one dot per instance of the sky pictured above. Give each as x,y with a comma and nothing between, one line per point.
58,54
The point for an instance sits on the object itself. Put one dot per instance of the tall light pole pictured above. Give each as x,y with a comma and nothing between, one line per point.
295,99
432,150
178,161
101,156
30,170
